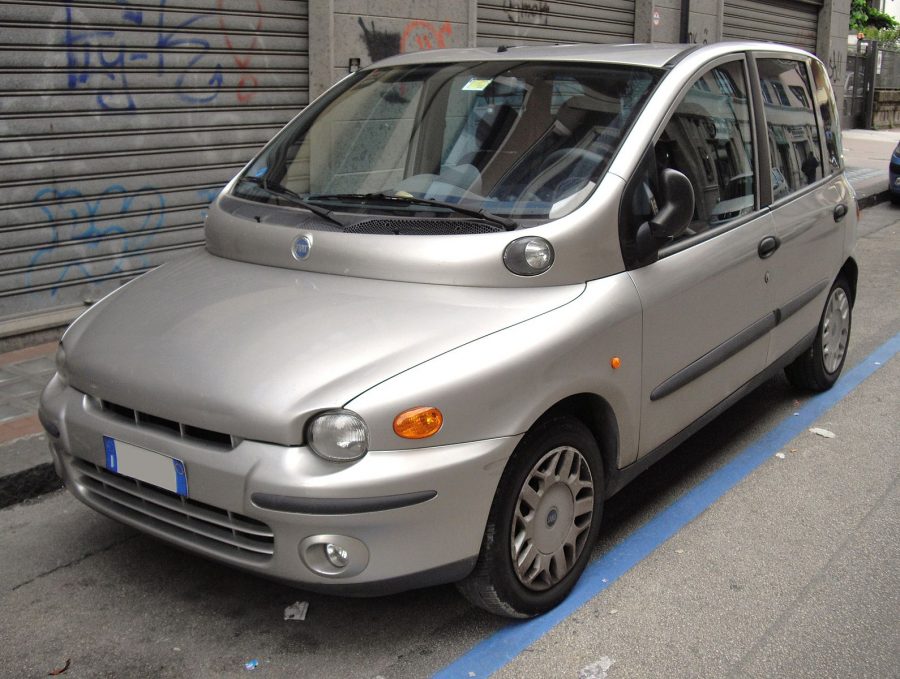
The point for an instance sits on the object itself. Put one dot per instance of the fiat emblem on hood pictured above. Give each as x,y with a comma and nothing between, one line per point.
301,247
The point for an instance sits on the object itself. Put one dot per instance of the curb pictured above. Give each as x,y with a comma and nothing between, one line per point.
28,484
874,199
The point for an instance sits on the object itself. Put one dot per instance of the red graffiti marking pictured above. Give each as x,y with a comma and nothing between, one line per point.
422,35
248,81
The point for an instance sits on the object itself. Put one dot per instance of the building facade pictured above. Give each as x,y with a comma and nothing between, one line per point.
122,119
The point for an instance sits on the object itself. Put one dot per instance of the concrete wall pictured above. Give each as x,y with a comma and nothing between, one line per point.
831,47
369,30
887,109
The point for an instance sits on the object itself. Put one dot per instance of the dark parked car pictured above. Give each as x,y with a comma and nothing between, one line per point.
894,174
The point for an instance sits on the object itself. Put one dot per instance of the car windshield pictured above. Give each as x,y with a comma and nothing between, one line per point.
507,140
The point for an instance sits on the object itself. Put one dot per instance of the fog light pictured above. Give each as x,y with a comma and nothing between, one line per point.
334,556
337,555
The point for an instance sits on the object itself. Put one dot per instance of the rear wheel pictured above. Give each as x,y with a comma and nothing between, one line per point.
543,522
819,366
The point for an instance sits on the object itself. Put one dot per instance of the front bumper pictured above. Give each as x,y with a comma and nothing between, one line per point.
406,518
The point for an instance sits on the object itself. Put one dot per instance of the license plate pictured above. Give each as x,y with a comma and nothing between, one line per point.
145,465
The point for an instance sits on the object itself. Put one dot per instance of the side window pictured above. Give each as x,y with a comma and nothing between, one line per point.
709,140
830,120
793,135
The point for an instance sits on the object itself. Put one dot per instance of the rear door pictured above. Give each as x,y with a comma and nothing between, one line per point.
811,198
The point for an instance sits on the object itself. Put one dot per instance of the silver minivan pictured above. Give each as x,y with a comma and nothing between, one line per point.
458,302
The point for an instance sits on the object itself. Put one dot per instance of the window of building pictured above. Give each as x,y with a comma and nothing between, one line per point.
800,94
778,89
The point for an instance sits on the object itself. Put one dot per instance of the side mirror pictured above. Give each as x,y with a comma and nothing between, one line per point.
672,219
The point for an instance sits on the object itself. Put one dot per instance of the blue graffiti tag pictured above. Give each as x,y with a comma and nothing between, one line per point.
100,58
75,219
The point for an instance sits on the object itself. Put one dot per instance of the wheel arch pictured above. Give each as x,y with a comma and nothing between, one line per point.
597,415
850,271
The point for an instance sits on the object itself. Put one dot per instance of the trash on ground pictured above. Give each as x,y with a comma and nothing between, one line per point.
60,670
822,432
251,664
296,611
679,551
780,456
596,670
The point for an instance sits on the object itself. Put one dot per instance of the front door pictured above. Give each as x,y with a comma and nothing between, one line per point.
706,306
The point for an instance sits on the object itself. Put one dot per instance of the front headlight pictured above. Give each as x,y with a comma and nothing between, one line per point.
61,368
338,436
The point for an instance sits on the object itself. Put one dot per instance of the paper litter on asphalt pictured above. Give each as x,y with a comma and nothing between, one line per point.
296,611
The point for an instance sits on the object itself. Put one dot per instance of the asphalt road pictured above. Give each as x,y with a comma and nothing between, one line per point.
792,572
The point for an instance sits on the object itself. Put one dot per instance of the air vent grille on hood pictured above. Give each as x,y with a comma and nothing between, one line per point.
422,227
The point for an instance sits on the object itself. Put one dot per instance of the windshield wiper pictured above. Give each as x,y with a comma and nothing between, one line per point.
481,213
292,198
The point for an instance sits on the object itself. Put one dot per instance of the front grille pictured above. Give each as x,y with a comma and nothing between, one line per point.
422,227
227,533
212,438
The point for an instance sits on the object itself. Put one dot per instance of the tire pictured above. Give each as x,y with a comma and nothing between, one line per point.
546,517
819,367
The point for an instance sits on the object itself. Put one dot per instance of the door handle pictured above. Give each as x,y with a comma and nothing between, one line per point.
767,246
840,211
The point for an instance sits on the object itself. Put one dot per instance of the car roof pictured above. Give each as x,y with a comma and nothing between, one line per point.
656,55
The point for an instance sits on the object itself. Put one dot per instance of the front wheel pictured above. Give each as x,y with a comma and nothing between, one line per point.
818,368
543,522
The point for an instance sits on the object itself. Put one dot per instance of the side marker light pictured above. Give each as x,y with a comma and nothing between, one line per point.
615,362
418,423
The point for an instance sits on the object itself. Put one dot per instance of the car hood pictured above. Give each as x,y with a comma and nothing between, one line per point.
253,351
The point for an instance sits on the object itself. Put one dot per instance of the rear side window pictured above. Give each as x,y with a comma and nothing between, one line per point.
793,135
830,120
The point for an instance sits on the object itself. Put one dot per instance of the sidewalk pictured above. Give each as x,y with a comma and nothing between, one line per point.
25,469
867,154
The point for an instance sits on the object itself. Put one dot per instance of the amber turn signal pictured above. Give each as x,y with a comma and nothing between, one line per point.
615,362
418,423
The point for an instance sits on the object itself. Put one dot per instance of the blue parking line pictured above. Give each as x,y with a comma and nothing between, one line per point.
491,654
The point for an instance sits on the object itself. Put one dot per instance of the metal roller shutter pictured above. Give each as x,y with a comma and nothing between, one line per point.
789,22
501,22
119,123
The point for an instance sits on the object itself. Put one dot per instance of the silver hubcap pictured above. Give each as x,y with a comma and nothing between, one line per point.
835,329
552,517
